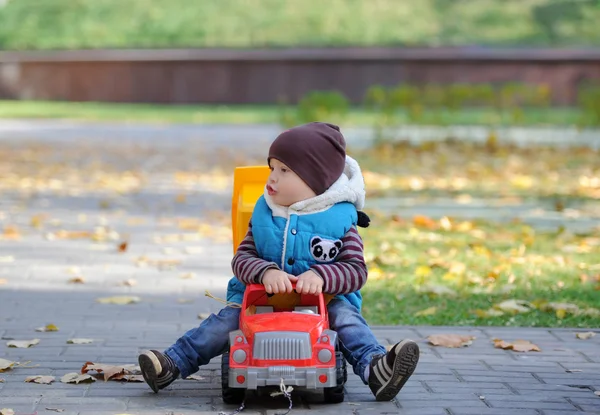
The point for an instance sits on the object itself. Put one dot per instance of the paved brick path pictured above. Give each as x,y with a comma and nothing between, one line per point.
479,379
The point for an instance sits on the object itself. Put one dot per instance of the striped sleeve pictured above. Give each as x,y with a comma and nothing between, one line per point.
349,272
246,265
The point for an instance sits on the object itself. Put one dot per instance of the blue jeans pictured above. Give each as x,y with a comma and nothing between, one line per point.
356,340
210,339
199,345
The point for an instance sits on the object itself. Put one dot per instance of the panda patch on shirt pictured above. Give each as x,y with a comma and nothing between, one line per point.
324,250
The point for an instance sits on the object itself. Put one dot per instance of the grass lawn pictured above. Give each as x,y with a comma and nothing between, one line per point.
251,114
444,272
453,272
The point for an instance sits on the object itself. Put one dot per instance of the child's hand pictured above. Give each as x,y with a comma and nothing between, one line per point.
277,281
309,282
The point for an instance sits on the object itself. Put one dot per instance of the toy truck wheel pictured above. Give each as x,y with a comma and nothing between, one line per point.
336,393
231,396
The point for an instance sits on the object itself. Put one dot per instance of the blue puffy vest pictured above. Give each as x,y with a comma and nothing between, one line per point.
288,242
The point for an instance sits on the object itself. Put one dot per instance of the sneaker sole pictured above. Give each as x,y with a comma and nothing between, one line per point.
150,367
407,357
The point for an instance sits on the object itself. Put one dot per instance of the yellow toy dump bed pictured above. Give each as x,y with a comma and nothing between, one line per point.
248,186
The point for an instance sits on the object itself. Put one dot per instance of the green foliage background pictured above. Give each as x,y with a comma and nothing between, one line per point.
70,24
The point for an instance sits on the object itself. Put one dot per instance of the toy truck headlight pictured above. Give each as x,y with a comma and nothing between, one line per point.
324,355
239,356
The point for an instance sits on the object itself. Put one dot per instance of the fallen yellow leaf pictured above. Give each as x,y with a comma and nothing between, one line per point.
76,378
49,327
120,300
585,336
424,222
188,276
129,373
22,344
80,341
423,271
514,306
492,312
426,312
451,340
6,364
7,411
434,289
10,232
517,345
376,273
76,280
40,379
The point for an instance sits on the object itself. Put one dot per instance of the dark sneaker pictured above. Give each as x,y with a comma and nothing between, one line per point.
388,373
158,369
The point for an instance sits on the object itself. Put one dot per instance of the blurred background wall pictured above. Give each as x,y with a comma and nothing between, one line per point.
268,51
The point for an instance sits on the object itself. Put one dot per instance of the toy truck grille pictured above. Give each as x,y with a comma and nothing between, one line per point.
279,345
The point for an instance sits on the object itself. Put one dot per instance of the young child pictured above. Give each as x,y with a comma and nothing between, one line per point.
303,230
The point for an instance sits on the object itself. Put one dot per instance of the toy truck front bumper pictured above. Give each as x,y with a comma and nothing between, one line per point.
307,377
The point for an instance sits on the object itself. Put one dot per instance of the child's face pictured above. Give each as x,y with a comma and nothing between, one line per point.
285,187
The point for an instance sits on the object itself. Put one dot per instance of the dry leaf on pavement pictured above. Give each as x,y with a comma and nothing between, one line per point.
131,378
40,379
7,411
10,233
76,378
80,341
55,409
188,276
121,300
6,364
451,340
76,280
114,372
129,283
585,336
194,377
48,327
517,345
23,344
122,247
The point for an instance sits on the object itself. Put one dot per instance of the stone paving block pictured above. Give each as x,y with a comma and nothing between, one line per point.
72,403
559,412
490,411
595,409
530,405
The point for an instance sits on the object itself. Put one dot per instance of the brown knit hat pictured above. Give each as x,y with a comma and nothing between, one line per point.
316,152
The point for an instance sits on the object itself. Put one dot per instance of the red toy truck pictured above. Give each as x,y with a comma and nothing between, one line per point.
277,342
281,336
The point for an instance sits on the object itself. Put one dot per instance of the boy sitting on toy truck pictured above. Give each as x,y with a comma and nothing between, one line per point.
303,230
